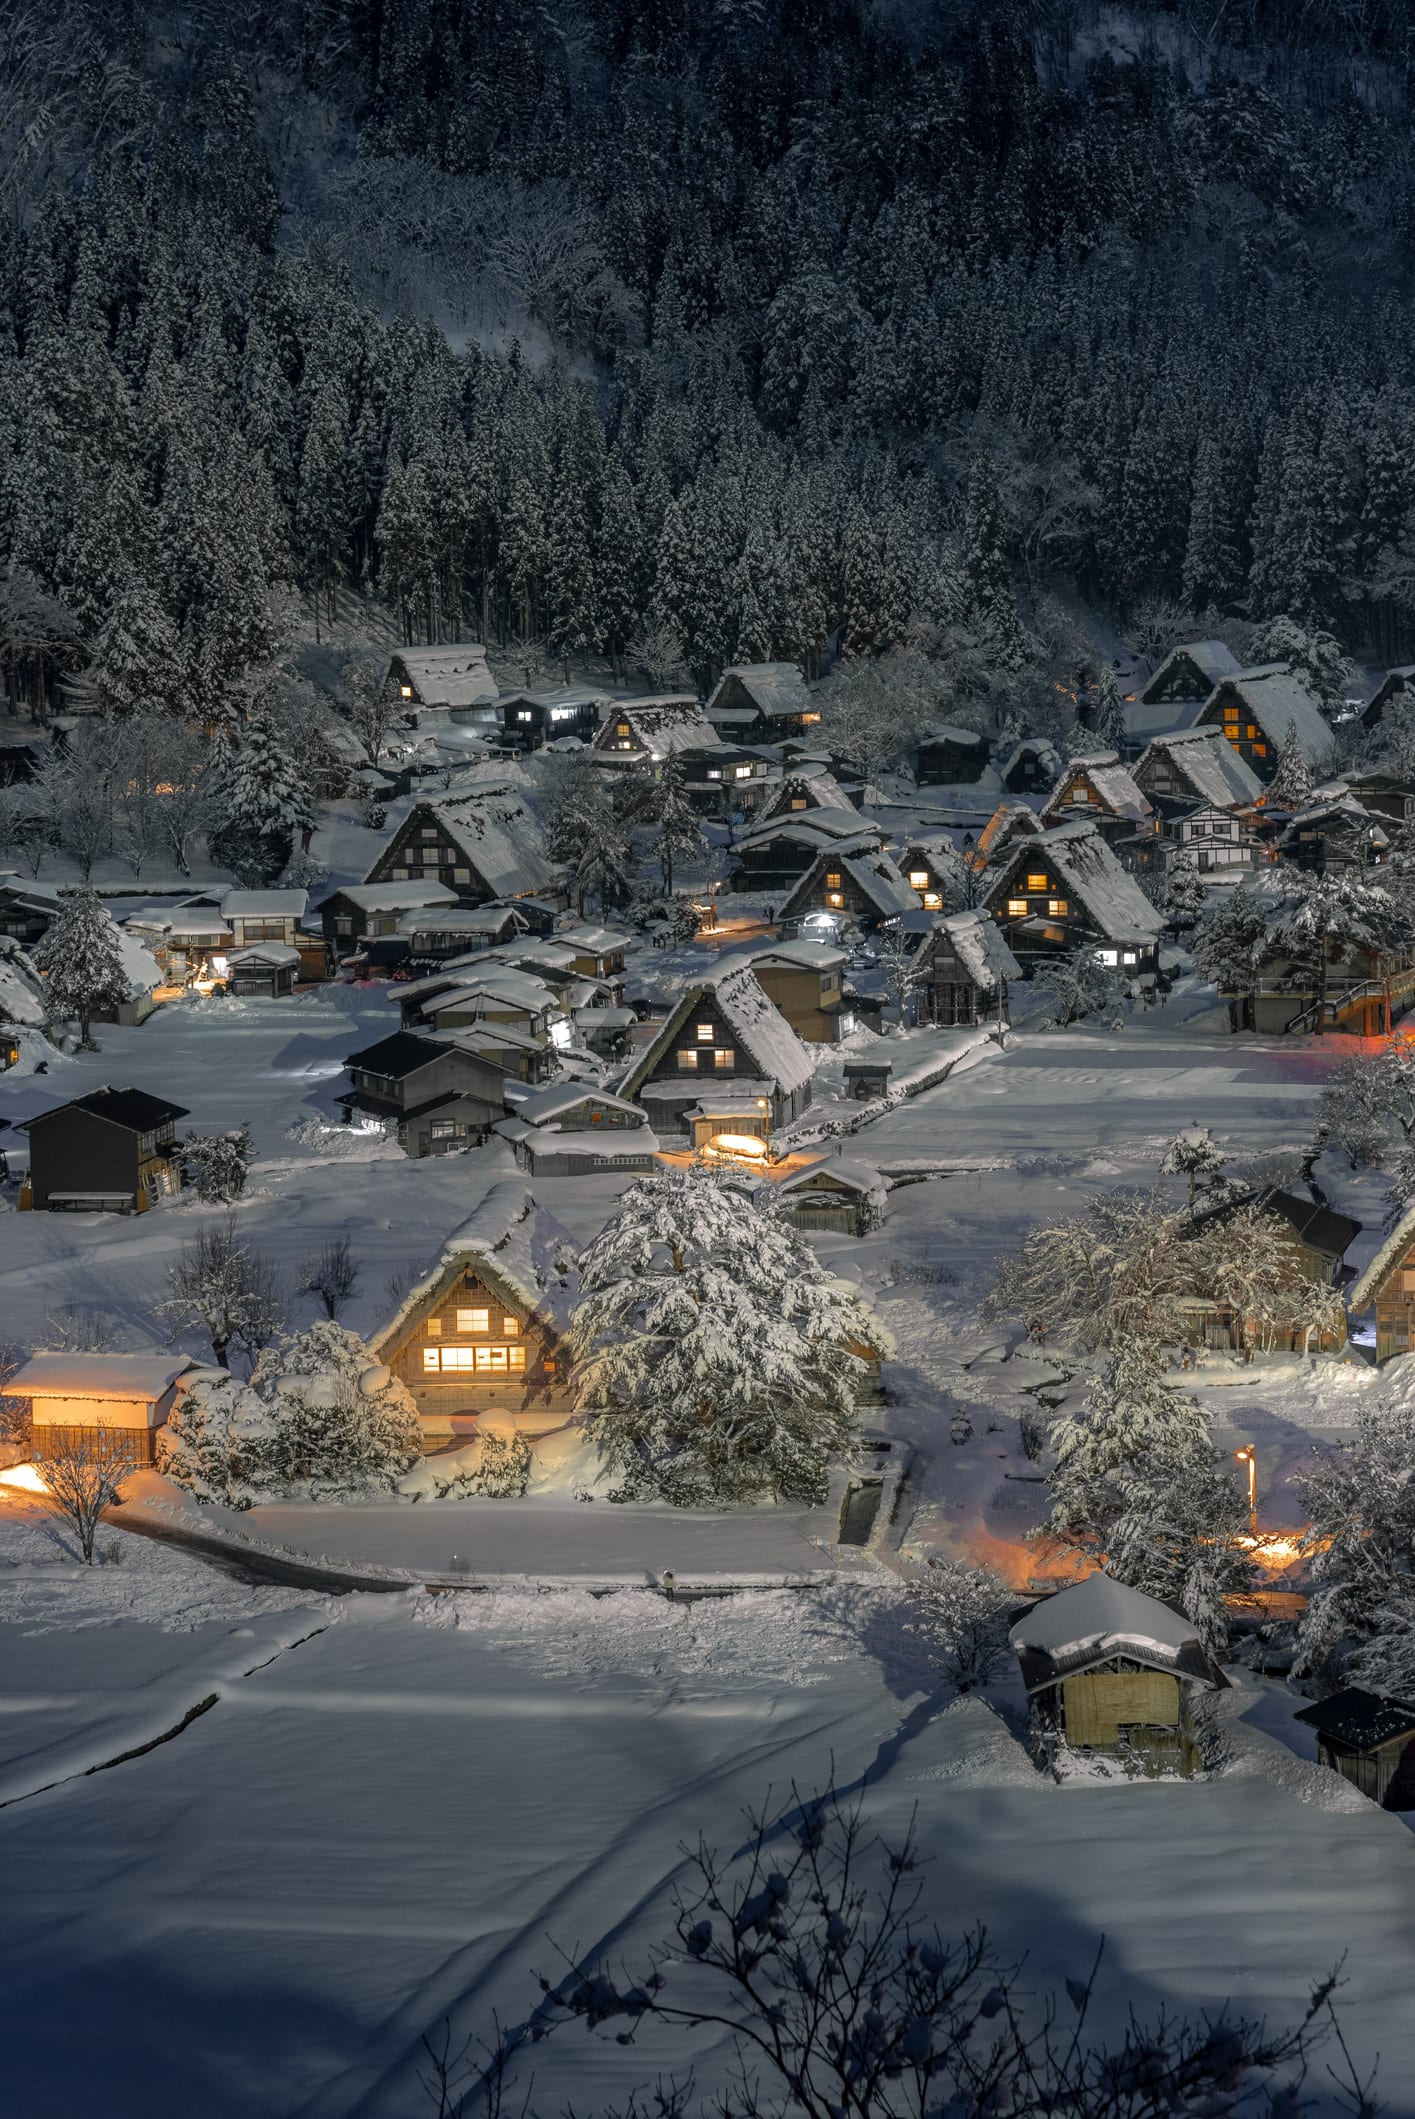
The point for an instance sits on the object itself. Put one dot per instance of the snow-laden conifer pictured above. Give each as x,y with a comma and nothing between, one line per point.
715,1359
81,957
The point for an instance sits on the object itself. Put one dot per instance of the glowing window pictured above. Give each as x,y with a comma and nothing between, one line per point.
622,729
1251,730
474,1320
798,801
523,717
688,1059
714,772
1130,957
1107,956
1017,906
705,1033
1231,713
1036,882
406,690
1058,908
432,1357
835,899
832,882
511,1327
808,719
742,772
1260,750
932,901
434,1328
724,1056
458,1357
918,878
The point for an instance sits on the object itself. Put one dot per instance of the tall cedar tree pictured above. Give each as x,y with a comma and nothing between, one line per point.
81,958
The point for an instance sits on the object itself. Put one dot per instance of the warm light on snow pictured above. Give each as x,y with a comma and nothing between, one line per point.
743,1147
24,1476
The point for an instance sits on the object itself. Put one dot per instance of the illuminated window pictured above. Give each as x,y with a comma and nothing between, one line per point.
434,1328
458,1357
932,901
705,1033
832,882
918,878
406,690
622,729
1058,908
1231,713
1107,956
1130,957
461,875
432,1357
1017,906
742,772
1251,730
798,801
714,772
523,716
511,1327
835,899
1036,882
1260,750
687,1060
807,720
474,1320
724,1056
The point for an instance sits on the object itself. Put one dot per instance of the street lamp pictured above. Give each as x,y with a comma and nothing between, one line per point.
1249,1456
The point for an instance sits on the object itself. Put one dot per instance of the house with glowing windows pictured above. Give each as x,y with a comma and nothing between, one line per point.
454,683
641,733
481,1331
483,846
727,1054
1065,890
1255,709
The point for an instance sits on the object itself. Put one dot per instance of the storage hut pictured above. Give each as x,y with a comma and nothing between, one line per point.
838,1194
112,1150
1111,1670
79,1400
1369,1740
265,971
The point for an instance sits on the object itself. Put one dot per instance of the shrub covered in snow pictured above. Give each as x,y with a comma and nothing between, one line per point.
216,1440
960,1614
495,1464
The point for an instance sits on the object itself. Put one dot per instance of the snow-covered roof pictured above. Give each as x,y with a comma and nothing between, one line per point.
509,1242
514,989
1110,781
817,785
1210,764
775,687
662,726
264,904
1211,659
1091,873
949,732
980,947
1275,696
145,1375
273,953
1100,1618
393,897
851,1171
449,676
559,695
22,993
800,956
1037,747
878,881
550,1104
448,917
1367,1286
758,1027
586,939
811,827
503,844
1008,821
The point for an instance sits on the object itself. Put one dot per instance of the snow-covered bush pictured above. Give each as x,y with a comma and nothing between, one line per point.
960,1614
494,1464
216,1442
1192,1154
81,958
217,1163
340,1423
1080,985
715,1359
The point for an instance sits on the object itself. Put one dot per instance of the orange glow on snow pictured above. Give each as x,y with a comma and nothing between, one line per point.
24,1476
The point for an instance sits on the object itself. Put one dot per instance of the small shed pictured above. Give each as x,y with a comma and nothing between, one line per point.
1369,1740
950,757
265,971
1111,1670
867,1078
74,1399
736,1124
838,1194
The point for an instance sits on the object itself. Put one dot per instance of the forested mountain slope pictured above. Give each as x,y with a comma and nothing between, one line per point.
721,328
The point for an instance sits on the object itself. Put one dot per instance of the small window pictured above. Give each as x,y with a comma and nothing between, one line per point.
461,875
918,878
1036,882
596,1118
1231,713
1017,907
1260,750
835,899
798,801
405,691
1251,730
474,1320
932,901
725,1056
434,1328
1058,908
432,1358
742,772
511,1327
714,772
688,1059
1107,956
705,1033
809,720
832,882
523,716
622,729
1130,957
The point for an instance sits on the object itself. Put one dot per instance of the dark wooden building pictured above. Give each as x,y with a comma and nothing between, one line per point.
1388,1284
724,1033
484,846
761,702
529,719
435,1095
965,968
1065,889
111,1149
1255,710
572,1129
1189,672
951,757
1111,1670
776,852
1369,1740
1397,684
838,1195
848,885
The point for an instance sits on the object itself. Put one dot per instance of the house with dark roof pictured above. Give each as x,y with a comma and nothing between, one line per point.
722,1035
778,850
433,1094
27,908
851,883
362,910
1063,890
1311,1249
484,845
1387,794
529,719
761,702
1029,767
721,779
951,757
1369,1740
1335,835
1255,708
641,733
1112,1671
1189,673
964,968
114,1150
482,1330
573,1129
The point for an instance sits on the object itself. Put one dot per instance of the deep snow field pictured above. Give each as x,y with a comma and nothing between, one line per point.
391,1808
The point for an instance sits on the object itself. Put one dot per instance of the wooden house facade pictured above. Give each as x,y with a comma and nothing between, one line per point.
806,982
1189,672
115,1403
1255,708
836,1195
723,1035
951,757
1369,1740
964,970
573,1130
1110,1670
777,851
761,702
642,733
1065,890
851,885
484,847
435,1095
114,1149
482,1331
1388,1286
529,719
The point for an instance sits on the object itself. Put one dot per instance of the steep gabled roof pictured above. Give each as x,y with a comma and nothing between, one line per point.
1008,821
1037,747
812,827
872,873
133,1109
1367,1286
1109,780
758,1028
1211,659
498,838
1210,764
1275,696
391,897
1097,1619
776,687
663,726
549,1105
449,676
979,945
850,1171
515,1249
1091,874
820,790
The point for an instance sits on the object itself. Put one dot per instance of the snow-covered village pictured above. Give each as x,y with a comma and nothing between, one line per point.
707,1059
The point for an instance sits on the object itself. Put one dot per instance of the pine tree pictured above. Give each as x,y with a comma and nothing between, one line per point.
1291,785
986,565
1193,1154
1211,575
1108,711
715,1360
1184,897
1329,913
1230,943
81,957
680,831
135,664
262,806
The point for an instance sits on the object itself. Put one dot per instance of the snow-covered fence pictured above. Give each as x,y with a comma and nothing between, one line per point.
926,1074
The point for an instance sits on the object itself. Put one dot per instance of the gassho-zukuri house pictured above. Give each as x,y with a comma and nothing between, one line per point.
1111,1670
481,1331
723,1038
